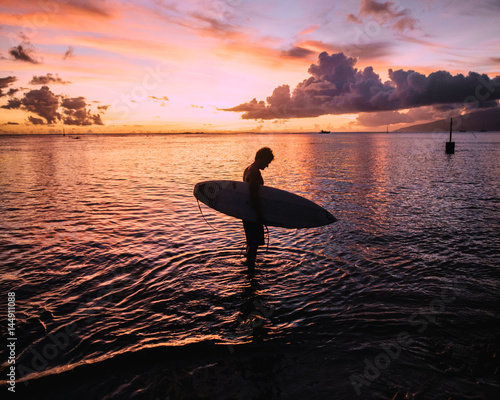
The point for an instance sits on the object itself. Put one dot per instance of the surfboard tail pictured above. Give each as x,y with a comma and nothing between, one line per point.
207,192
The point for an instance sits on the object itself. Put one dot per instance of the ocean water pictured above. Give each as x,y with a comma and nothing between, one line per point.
123,291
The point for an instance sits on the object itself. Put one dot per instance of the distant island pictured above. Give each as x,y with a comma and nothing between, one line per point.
486,120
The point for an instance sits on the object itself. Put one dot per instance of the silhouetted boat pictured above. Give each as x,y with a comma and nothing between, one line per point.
322,131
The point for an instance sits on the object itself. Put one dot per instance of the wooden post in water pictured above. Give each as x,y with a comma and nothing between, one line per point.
450,146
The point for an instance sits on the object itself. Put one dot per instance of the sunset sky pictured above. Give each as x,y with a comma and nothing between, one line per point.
192,65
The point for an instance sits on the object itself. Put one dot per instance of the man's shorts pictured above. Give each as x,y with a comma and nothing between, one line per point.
254,233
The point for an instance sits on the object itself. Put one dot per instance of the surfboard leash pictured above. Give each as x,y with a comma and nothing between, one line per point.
268,237
209,224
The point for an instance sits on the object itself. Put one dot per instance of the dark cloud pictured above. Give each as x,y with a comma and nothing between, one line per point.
42,102
46,79
103,107
297,52
24,52
405,23
12,91
385,13
359,50
337,87
352,18
69,53
482,104
74,103
8,80
93,8
53,108
382,10
75,112
12,104
5,83
215,27
35,121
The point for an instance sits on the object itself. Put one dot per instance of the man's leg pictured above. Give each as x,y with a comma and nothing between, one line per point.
255,236
251,257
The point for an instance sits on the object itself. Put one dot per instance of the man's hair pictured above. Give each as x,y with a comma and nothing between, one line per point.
264,154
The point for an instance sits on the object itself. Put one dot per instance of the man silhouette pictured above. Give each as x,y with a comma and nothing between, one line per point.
254,231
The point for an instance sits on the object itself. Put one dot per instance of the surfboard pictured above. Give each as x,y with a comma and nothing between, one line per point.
279,207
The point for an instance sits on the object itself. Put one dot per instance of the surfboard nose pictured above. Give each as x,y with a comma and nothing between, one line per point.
331,218
327,217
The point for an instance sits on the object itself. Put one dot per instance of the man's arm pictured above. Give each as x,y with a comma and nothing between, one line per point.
254,197
253,186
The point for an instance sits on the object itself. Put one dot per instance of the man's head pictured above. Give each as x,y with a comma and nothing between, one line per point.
263,157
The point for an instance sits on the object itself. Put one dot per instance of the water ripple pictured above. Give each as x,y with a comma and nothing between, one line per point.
112,262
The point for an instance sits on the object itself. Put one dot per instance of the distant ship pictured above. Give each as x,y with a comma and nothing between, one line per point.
322,131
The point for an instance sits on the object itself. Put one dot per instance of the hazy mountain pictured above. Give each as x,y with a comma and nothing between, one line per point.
488,120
